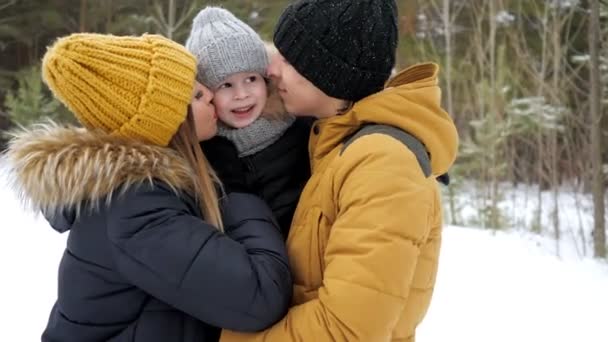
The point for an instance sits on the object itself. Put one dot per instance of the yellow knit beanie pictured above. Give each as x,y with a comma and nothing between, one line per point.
137,87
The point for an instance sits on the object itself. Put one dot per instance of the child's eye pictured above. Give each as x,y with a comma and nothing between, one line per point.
252,79
198,95
225,85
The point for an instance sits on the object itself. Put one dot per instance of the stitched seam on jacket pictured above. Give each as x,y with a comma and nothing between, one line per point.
367,288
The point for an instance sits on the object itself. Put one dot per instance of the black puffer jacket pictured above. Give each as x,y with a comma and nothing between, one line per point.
277,174
140,265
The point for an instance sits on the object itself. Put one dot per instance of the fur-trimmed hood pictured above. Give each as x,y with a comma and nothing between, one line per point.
53,168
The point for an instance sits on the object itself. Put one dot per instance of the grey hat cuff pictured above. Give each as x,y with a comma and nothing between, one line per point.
318,65
228,56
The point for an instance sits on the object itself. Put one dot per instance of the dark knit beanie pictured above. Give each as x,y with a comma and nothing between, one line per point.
346,48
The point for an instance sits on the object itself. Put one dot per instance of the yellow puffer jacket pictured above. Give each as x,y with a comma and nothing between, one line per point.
365,240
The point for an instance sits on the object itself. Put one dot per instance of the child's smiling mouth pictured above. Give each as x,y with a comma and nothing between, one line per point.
243,110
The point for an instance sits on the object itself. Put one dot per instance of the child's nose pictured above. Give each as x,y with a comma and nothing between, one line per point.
241,93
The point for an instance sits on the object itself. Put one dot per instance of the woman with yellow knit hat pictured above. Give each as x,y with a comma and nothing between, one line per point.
149,257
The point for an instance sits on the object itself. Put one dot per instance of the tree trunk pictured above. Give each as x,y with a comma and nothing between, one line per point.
599,231
109,15
494,116
553,143
407,20
540,153
83,16
448,85
171,19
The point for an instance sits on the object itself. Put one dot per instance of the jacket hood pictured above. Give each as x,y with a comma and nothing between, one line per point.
411,101
58,169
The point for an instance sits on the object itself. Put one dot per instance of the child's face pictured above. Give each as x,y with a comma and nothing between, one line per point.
240,99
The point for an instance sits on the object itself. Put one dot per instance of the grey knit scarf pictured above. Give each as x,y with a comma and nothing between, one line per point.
257,136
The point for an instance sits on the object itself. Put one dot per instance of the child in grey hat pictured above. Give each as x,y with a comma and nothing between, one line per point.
259,148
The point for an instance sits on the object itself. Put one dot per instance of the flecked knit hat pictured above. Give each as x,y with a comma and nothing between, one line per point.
137,87
224,45
346,48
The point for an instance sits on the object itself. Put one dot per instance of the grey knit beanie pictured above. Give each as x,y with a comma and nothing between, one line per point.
224,45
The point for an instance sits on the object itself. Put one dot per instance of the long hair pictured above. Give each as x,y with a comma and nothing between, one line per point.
186,143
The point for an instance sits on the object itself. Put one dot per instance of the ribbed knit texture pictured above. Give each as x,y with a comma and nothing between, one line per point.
257,136
223,46
137,87
345,48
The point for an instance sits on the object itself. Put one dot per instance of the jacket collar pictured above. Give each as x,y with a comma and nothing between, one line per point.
411,101
53,168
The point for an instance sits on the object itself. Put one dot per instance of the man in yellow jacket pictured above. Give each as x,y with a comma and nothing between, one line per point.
365,239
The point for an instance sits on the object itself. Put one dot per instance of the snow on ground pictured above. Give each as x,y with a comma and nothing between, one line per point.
519,210
29,256
491,286
506,287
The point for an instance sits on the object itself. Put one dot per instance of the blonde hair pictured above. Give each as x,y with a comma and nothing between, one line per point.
186,143
270,48
274,108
